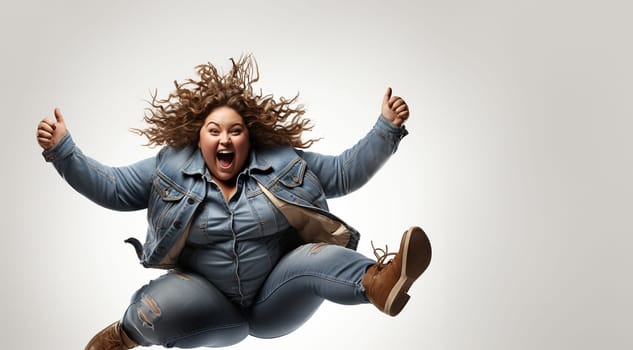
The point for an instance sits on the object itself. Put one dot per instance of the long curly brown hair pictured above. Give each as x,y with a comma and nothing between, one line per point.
177,119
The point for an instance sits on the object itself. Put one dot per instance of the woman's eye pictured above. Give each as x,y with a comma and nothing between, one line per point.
236,132
214,131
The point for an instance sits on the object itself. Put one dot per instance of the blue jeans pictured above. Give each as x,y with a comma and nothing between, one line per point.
182,309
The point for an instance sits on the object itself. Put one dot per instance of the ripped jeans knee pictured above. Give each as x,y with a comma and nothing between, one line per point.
148,311
183,310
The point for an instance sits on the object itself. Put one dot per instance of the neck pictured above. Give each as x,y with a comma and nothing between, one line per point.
228,187
230,182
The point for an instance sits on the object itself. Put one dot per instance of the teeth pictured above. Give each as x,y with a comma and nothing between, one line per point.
225,152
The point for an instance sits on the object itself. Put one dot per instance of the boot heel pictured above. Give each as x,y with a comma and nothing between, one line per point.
417,256
398,304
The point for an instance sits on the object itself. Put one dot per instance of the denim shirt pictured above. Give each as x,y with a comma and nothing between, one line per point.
171,187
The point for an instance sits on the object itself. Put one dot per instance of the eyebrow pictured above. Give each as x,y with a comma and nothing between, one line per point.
234,124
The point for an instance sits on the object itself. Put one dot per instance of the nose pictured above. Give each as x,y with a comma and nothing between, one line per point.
225,139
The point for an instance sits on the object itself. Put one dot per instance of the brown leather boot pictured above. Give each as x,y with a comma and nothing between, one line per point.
111,338
386,284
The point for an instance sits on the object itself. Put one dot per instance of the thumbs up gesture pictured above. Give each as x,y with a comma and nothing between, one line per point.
50,132
394,108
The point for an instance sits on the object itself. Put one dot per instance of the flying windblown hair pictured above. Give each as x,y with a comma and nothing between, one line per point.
177,119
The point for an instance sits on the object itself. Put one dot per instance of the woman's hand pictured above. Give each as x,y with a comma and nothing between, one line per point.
50,132
394,109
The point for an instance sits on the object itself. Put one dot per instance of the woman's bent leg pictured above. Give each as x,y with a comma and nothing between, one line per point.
301,281
183,310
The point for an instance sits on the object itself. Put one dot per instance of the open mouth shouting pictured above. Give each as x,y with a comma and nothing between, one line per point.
225,159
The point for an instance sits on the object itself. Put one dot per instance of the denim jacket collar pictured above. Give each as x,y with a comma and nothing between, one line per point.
195,165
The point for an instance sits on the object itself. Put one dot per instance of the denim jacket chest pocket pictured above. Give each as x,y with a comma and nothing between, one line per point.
299,185
165,198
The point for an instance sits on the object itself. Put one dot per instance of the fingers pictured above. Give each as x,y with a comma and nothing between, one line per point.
392,101
396,102
45,130
47,124
398,105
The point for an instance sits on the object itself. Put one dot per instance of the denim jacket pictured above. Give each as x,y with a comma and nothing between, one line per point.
170,187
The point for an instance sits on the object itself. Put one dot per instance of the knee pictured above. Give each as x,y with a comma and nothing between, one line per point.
183,311
150,302
146,311
323,253
148,324
141,319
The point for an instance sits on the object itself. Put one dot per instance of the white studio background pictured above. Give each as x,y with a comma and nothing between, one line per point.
518,164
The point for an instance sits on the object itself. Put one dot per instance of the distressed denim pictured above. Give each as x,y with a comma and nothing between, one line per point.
182,309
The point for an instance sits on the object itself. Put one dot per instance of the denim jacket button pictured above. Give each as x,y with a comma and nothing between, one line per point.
190,201
177,224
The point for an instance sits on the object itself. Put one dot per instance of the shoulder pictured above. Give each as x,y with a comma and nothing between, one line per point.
185,159
273,157
277,152
175,154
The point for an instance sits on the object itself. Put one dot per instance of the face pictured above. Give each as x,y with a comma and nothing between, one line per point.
224,143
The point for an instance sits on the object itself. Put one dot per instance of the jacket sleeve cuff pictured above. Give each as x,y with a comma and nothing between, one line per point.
386,129
63,149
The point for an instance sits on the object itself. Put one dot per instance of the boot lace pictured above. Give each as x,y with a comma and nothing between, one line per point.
381,255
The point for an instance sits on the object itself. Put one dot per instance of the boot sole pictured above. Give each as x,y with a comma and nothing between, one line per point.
416,250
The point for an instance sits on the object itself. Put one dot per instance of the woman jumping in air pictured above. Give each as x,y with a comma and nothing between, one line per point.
237,214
